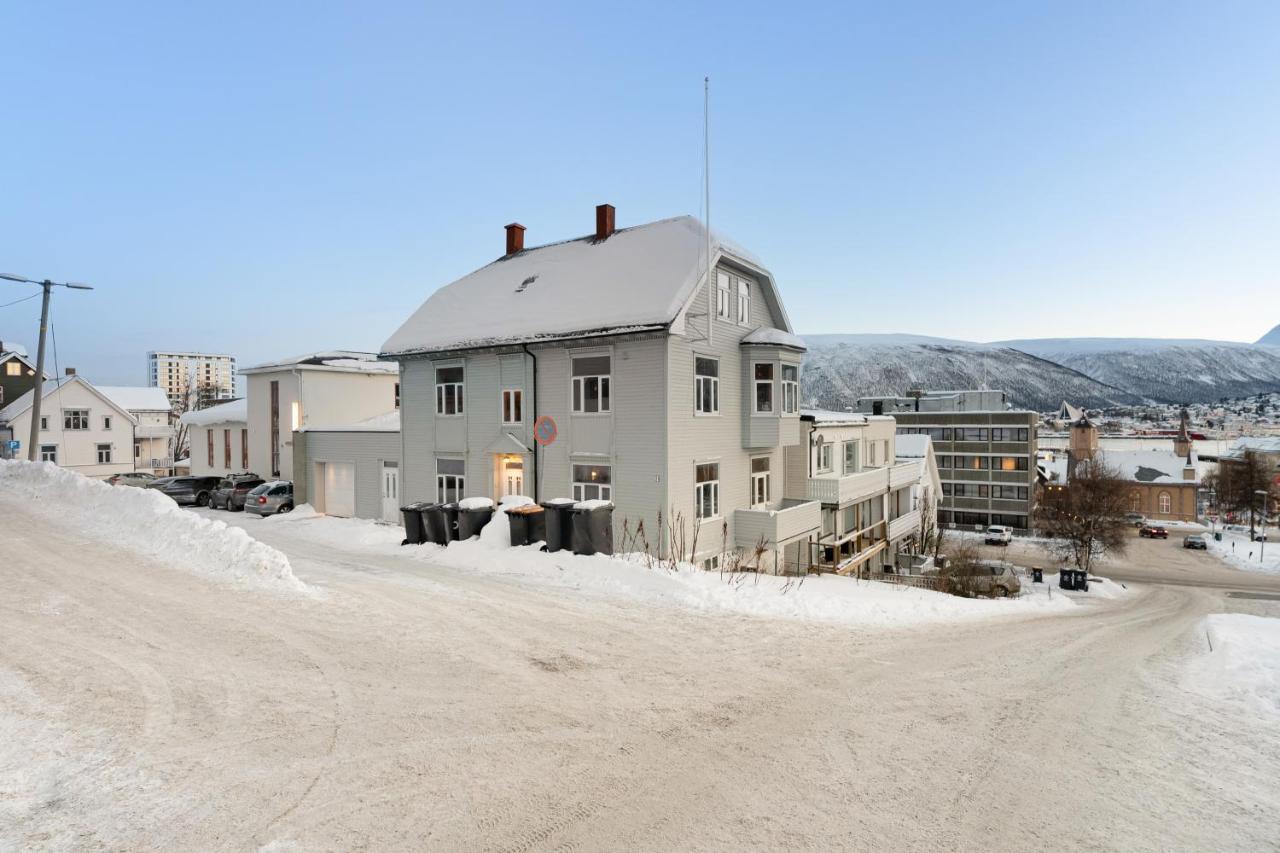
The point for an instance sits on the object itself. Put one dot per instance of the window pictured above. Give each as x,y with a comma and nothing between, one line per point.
591,384
711,564
944,461
790,389
971,434
722,295
14,368
137,451
1135,501
451,482
44,422
872,448
208,436
449,391
1009,493
397,395
512,406
226,448
49,453
971,463
946,489
706,491
706,386
1166,503
824,457
1009,463
744,303
764,388
75,419
106,421
1008,434
592,482
938,433
852,458
104,454
760,481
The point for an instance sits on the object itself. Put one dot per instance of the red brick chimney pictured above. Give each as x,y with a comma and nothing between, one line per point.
604,221
515,238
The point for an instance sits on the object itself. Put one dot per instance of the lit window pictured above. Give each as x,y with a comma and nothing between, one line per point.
706,386
13,368
706,491
591,380
764,388
592,482
511,406
449,390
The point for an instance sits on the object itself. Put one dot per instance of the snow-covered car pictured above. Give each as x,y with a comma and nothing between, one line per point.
1196,542
270,498
190,491
998,534
139,479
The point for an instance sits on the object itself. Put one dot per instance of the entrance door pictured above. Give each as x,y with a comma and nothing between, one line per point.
391,491
512,476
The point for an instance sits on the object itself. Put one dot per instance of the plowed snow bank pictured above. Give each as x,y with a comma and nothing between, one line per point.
1244,666
150,523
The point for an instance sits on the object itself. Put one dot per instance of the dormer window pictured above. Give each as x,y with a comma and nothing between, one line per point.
744,303
722,295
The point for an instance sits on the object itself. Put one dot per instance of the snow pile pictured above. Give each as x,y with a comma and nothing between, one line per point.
475,503
1236,550
147,522
1244,666
497,533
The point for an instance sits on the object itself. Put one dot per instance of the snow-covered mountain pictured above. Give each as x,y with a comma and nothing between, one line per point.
841,368
1271,338
1168,370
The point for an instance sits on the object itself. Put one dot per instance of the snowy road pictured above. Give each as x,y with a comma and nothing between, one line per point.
415,707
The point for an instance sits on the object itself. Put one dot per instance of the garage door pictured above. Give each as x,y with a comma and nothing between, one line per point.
340,489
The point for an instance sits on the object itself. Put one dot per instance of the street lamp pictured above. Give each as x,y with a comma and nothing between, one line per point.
38,392
1262,552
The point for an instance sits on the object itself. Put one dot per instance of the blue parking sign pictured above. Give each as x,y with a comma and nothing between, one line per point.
13,444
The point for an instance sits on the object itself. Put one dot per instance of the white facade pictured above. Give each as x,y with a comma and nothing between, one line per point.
81,428
153,435
175,372
218,438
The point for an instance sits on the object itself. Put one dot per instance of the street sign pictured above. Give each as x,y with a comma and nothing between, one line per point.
13,444
544,430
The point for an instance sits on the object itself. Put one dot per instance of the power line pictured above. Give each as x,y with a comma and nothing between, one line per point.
23,299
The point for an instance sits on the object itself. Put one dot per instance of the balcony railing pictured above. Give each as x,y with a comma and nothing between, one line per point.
852,488
154,462
772,526
905,524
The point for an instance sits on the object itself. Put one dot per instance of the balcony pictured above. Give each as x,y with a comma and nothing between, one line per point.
904,525
153,431
149,464
792,519
852,488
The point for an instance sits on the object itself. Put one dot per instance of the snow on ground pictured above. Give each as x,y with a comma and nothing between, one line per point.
1236,550
820,598
148,522
1244,667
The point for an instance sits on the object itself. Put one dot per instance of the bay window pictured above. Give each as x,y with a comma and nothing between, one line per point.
764,388
790,389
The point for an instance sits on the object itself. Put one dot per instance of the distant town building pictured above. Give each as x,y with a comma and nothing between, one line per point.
17,372
211,376
985,452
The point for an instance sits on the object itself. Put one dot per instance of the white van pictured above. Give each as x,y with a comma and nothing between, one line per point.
998,534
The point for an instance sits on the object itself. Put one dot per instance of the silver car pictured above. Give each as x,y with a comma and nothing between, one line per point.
270,498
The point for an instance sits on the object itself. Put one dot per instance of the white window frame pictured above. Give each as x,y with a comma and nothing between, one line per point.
760,485
459,392
857,456
744,303
13,367
723,284
871,452
106,422
582,488
826,457
73,416
49,453
706,491
578,386
1164,501
790,390
44,423
104,454
756,411
446,482
699,381
512,404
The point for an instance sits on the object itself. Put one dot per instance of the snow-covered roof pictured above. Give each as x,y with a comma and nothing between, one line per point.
1148,466
137,398
770,336
825,417
234,412
1256,443
913,446
23,403
638,279
348,361
385,422
8,346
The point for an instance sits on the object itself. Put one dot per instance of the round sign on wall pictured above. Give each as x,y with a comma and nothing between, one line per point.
544,430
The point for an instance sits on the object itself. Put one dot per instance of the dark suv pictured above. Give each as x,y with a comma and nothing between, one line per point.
190,491
232,490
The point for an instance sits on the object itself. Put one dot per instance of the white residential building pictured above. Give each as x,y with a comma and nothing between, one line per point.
218,438
153,435
330,387
80,427
213,375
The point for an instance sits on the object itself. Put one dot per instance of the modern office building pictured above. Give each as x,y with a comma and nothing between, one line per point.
212,376
986,452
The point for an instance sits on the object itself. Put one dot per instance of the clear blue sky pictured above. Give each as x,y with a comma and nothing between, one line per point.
270,178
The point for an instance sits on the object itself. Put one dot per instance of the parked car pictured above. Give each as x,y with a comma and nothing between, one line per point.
140,479
160,482
998,534
1260,537
191,491
232,490
1153,531
270,498
1196,541
1137,519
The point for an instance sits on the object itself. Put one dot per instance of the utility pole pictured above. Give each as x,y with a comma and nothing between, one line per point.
37,392
1262,554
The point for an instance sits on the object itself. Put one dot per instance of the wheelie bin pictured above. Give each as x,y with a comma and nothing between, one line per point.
559,523
415,526
593,527
473,515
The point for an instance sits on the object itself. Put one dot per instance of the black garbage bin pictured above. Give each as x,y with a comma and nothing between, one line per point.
528,524
1037,575
558,523
1066,579
473,515
1217,536
450,522
415,526
1082,581
593,527
435,523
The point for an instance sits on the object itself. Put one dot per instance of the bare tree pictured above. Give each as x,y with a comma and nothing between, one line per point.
1244,485
194,396
1085,516
929,533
